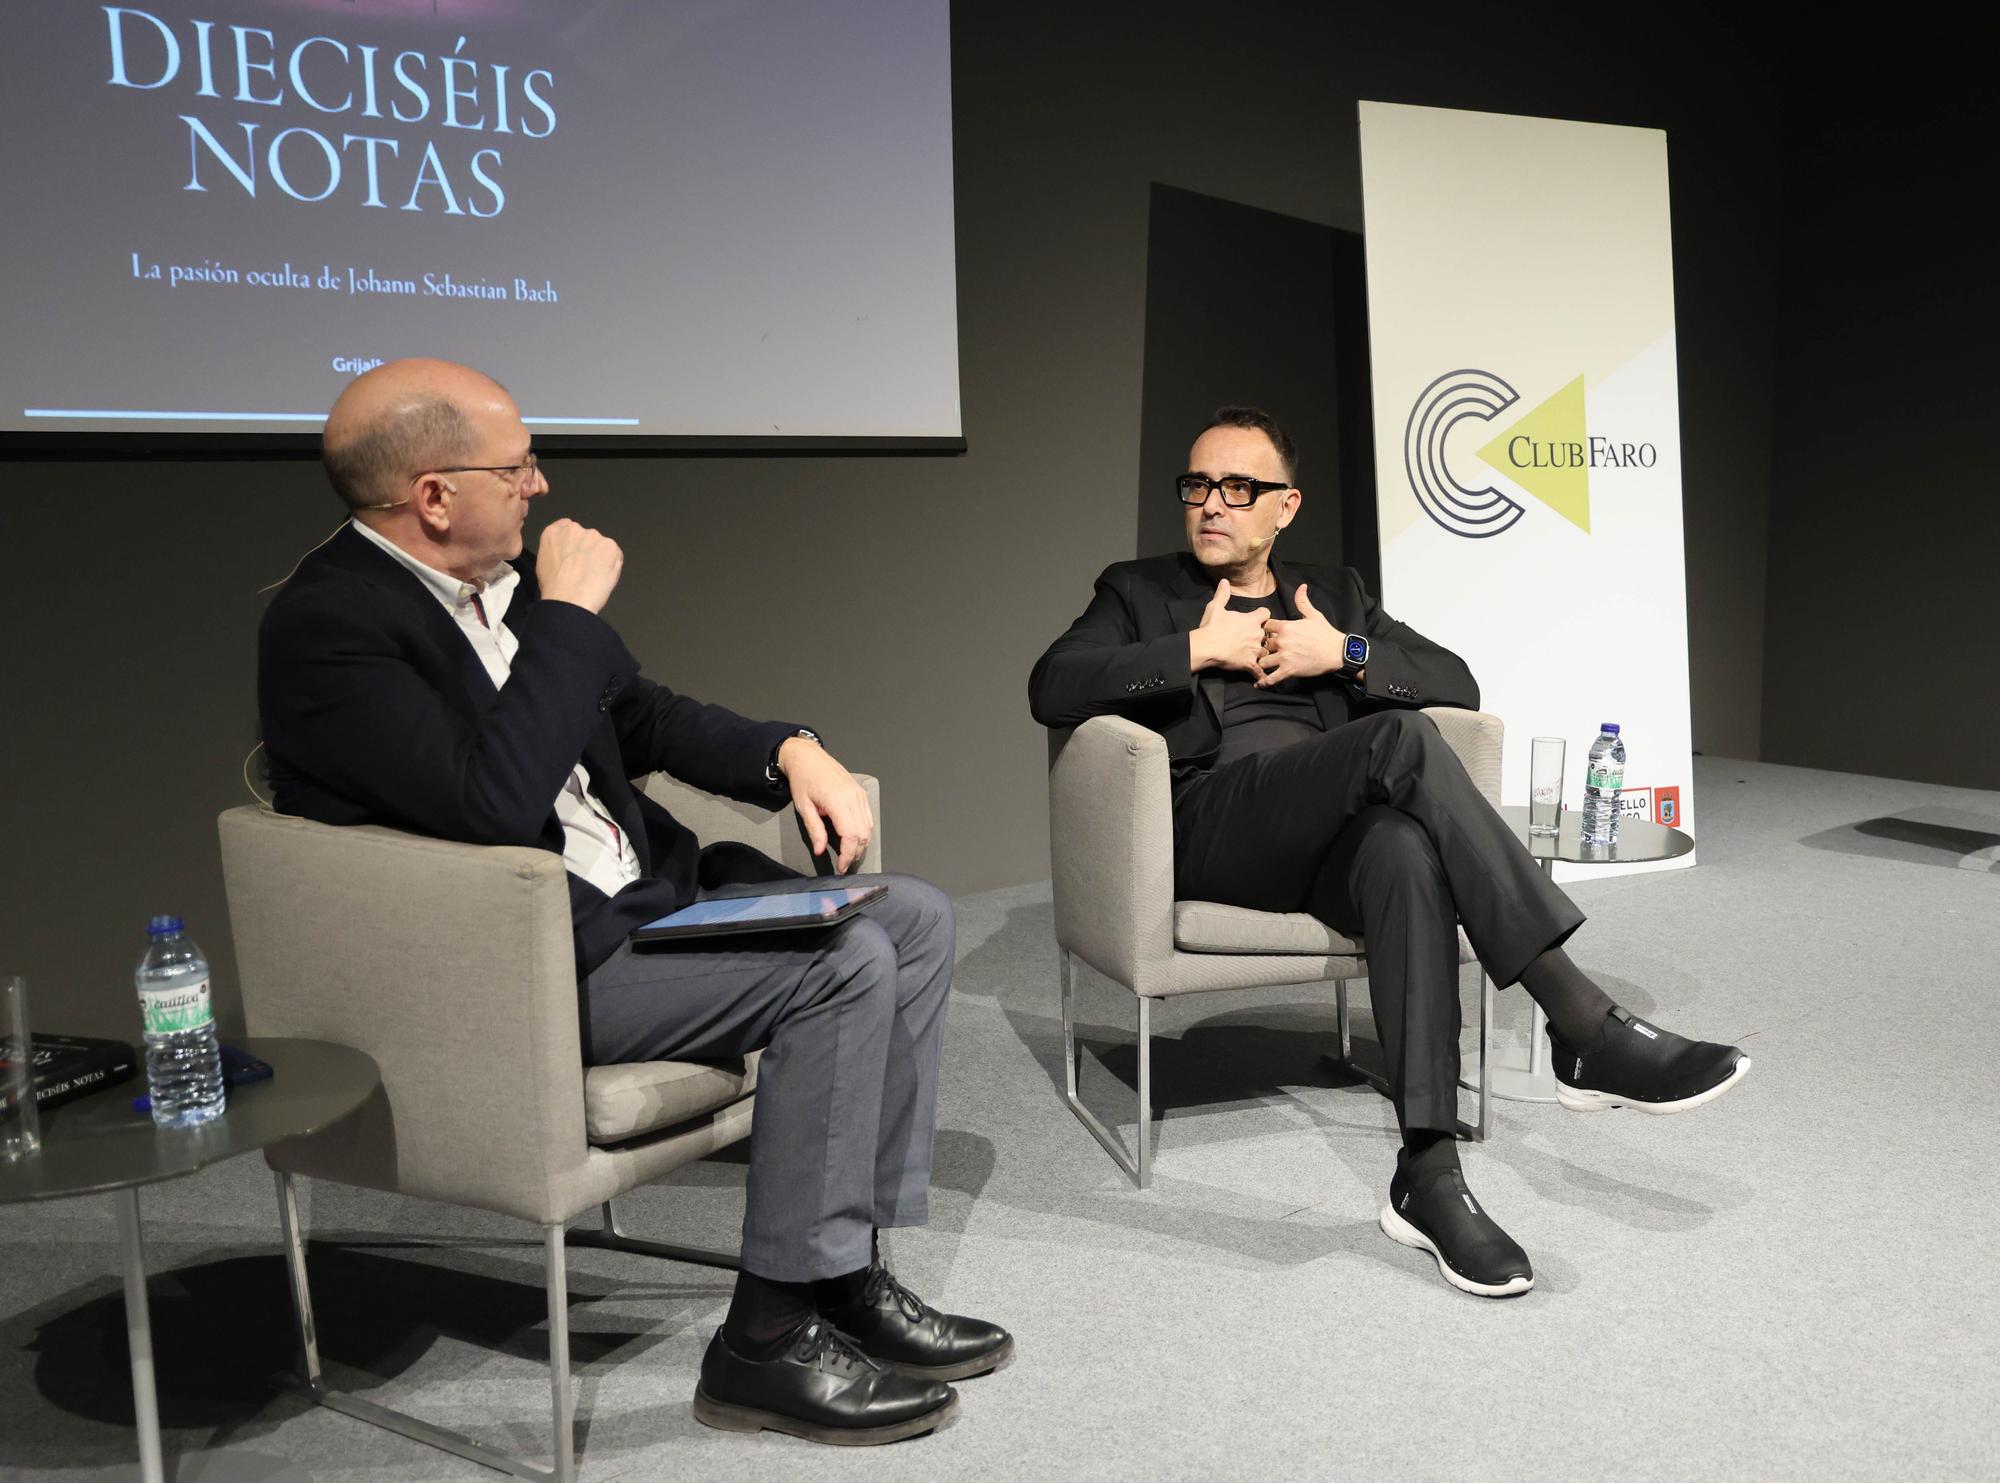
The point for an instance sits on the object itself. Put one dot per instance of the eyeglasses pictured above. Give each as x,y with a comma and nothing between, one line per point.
1238,492
514,473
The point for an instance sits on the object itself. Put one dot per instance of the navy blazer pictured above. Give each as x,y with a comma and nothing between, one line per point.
1127,655
375,710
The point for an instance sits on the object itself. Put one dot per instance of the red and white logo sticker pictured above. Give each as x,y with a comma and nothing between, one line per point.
1667,806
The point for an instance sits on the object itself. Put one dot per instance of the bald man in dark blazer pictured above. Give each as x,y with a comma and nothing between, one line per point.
422,670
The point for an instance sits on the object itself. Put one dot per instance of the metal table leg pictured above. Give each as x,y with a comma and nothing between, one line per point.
139,1331
1535,1081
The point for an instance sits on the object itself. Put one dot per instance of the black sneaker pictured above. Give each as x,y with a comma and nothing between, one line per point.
894,1326
1642,1066
1473,1254
821,1388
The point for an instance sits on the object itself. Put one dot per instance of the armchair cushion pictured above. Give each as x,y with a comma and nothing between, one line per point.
1210,927
621,1102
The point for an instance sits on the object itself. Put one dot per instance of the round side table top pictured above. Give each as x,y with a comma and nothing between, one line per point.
98,1143
1638,840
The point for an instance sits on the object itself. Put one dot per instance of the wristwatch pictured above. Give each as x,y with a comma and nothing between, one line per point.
1355,654
771,773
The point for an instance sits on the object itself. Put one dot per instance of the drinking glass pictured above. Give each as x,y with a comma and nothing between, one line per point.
20,1127
1545,785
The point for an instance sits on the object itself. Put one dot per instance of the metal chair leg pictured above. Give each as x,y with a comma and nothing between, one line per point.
611,1237
562,1401
1473,1132
1066,976
313,1384
1344,1060
1485,1056
1145,1094
1139,1170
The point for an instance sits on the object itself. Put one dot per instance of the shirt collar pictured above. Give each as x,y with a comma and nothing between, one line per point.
495,591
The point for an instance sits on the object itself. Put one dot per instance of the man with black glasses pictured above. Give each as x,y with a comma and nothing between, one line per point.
420,670
1306,779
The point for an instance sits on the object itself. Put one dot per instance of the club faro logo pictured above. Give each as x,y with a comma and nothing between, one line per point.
1549,452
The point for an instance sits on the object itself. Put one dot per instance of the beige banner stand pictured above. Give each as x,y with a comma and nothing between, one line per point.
1527,430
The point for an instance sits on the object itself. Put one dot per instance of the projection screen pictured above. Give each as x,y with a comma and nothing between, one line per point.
666,222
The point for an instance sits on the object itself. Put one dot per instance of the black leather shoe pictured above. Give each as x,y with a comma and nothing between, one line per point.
892,1324
1641,1066
1473,1254
821,1388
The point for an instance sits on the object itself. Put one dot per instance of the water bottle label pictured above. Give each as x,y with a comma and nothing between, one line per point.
169,1011
1604,779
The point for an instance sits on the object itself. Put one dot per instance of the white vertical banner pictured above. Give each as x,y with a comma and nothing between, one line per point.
1527,430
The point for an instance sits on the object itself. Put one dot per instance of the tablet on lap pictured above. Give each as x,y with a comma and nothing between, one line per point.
769,911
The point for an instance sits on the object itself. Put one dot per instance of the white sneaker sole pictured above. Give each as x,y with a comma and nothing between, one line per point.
1400,1230
1577,1099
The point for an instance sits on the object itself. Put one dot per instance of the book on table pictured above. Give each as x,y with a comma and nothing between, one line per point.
71,1066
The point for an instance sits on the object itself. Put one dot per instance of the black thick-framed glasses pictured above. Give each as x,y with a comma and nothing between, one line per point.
514,473
1238,492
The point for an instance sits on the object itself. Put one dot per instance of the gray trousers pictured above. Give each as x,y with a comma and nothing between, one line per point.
850,1019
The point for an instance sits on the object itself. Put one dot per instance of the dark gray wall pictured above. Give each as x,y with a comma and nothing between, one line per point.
1885,528
896,604
1239,308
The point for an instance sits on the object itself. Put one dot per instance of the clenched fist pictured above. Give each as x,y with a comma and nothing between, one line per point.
577,564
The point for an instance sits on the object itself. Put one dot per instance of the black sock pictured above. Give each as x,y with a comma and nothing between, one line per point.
764,1314
844,1291
1576,1007
831,1294
1428,1153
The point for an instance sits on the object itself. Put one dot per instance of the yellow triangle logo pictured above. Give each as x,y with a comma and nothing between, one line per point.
1547,453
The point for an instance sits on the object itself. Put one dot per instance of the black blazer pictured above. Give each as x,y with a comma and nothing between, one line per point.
375,710
1127,655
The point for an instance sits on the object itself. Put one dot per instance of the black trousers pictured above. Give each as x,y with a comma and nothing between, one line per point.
1376,829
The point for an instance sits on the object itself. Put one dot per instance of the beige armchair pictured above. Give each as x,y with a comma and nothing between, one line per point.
1111,843
451,965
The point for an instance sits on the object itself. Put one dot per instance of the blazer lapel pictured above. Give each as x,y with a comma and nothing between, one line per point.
360,555
1285,583
1326,698
606,767
601,757
1184,614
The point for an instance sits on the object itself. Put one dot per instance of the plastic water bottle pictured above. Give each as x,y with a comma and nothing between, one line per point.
183,1065
1602,782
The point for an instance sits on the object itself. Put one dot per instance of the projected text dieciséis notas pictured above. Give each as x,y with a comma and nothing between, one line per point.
245,68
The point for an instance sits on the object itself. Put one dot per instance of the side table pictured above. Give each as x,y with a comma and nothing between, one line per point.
99,1145
1638,840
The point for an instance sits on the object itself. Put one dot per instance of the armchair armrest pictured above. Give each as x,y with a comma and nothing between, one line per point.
1111,848
775,832
453,966
1477,737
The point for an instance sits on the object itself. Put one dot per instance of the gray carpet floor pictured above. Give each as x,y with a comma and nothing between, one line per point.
1795,1282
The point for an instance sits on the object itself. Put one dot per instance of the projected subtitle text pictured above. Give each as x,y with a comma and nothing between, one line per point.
366,281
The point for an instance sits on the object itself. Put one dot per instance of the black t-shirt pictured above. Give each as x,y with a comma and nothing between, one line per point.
1255,720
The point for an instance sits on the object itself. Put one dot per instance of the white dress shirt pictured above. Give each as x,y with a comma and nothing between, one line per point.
593,846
